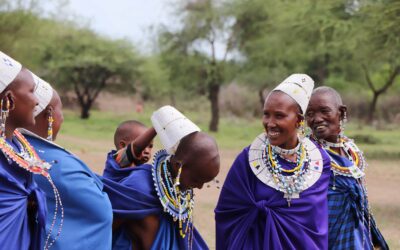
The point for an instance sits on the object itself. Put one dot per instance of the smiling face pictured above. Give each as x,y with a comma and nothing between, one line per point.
281,119
323,115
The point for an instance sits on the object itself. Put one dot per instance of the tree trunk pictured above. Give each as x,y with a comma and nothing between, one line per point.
85,111
214,99
372,107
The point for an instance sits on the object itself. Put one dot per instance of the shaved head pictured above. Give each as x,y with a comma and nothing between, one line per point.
127,131
199,156
324,90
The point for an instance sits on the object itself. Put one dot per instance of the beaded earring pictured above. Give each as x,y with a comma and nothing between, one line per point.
50,121
301,130
5,109
178,176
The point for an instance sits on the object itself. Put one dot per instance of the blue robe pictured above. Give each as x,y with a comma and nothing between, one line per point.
252,215
347,211
135,198
87,209
16,187
113,171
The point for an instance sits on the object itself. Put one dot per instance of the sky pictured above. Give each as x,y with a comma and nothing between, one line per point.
129,19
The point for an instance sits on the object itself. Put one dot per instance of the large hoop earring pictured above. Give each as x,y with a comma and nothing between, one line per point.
50,121
5,110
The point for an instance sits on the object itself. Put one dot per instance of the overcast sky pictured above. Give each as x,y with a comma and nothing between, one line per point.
123,18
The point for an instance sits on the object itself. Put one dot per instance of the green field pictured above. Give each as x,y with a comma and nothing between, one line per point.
92,139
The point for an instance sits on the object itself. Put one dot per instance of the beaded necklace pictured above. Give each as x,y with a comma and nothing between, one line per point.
175,202
353,154
283,151
31,162
291,182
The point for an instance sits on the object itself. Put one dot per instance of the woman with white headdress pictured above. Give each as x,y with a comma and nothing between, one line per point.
87,217
22,203
157,201
275,194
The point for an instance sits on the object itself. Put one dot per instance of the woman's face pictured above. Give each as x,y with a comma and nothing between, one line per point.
323,117
23,100
280,119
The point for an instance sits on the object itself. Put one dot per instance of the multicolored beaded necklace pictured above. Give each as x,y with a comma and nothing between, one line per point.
289,184
31,162
352,153
266,166
175,202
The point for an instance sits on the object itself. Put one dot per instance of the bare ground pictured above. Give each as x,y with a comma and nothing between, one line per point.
383,178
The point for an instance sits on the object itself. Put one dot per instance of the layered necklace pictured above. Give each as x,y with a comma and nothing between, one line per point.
31,162
289,181
353,154
264,162
179,204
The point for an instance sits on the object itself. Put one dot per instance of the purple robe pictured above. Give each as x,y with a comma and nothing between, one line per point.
252,215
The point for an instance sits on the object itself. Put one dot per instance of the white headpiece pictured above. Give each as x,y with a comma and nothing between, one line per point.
9,69
43,92
299,87
171,126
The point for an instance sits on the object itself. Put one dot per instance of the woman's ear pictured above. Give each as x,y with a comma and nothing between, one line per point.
343,112
8,100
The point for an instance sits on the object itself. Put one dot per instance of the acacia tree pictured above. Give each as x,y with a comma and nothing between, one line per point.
379,47
191,51
86,63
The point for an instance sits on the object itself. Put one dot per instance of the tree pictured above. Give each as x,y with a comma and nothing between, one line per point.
379,47
87,63
191,51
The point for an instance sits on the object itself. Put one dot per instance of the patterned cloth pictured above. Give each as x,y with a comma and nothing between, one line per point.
350,224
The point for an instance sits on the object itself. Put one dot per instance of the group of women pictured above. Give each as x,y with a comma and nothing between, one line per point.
287,190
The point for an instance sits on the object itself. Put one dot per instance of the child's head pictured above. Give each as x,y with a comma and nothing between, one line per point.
127,132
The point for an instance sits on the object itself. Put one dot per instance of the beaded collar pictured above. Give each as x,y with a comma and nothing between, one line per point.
175,202
283,151
354,154
29,160
292,182
328,144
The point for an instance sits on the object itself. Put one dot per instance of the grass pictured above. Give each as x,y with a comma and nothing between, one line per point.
234,133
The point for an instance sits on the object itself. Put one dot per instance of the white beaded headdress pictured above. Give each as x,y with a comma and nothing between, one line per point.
299,87
171,126
9,69
44,93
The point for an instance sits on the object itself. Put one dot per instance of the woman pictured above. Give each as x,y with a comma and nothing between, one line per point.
351,225
87,210
22,203
275,194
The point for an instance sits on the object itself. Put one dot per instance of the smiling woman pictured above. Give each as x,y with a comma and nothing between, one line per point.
351,224
275,194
